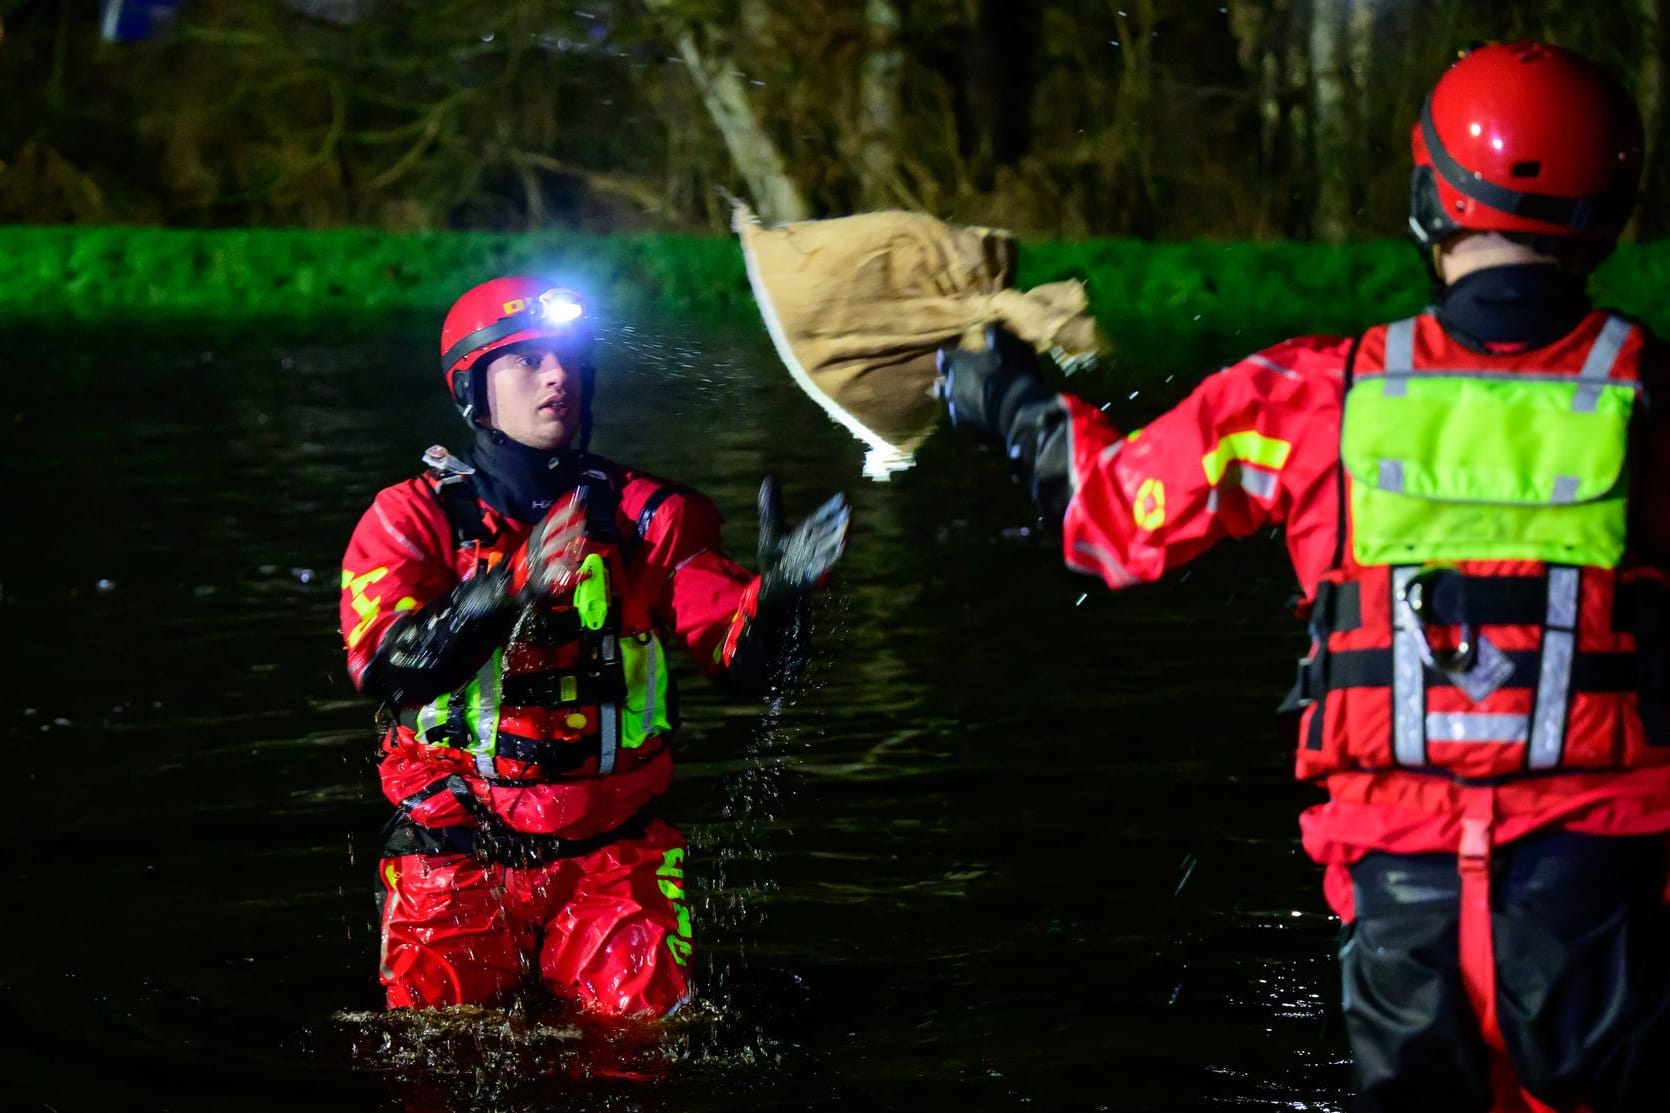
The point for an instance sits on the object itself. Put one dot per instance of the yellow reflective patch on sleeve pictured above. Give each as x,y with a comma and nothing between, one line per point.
406,604
1149,509
366,606
1246,447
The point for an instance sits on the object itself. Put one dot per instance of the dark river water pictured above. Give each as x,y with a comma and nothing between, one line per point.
1017,842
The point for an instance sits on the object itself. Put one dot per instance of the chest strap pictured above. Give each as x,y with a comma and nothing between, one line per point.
1490,601
1555,671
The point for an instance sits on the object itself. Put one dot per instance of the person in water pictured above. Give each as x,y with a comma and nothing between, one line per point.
1475,506
513,609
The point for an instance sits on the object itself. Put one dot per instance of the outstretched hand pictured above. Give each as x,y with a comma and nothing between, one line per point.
794,563
984,390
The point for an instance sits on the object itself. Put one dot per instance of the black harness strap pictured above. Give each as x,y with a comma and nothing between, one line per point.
1349,376
545,689
463,510
652,504
496,843
1590,672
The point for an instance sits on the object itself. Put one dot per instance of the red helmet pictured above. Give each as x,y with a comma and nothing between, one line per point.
507,311
1525,138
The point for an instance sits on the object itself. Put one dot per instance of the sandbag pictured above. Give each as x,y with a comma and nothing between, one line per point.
858,305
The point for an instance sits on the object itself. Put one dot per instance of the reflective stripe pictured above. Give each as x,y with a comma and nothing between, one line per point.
431,715
1272,365
1391,474
1562,598
1597,366
607,743
1248,446
1400,353
487,715
1472,726
1104,563
609,713
1408,680
1559,644
1260,484
650,705
1565,489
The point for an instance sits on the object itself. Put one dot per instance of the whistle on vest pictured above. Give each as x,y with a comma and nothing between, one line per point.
591,592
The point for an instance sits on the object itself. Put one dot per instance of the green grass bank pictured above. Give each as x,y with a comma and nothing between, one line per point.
1215,299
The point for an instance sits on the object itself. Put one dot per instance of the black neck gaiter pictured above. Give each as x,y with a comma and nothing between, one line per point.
1522,306
521,482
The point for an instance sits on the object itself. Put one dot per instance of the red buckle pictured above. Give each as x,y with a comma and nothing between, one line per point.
1474,853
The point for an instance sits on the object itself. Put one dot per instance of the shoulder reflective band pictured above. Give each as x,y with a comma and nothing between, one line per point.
591,594
1576,213
1400,352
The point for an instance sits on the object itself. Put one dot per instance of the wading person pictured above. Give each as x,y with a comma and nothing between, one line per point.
1476,506
513,610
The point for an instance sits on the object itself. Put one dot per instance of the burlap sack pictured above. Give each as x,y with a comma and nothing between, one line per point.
858,305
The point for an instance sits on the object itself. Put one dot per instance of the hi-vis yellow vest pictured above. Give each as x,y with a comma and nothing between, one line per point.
1486,627
1451,465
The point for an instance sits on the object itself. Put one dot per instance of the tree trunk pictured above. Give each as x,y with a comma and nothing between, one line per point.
1650,96
753,152
878,106
1250,22
1332,146
1133,125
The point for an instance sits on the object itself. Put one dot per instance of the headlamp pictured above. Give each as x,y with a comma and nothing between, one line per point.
560,307
558,312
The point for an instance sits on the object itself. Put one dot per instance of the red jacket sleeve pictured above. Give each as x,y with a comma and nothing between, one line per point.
699,594
1236,455
398,559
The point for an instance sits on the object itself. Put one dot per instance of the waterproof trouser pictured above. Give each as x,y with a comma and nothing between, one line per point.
1581,940
607,931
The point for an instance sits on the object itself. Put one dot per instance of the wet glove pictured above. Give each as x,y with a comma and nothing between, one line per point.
439,647
793,564
999,396
987,392
771,647
547,563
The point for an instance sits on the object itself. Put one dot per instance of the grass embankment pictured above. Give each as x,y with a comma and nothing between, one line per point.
1198,300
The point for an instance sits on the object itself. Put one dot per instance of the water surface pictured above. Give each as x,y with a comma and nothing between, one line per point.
1017,842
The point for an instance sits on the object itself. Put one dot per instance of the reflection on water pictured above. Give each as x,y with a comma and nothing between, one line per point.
1016,842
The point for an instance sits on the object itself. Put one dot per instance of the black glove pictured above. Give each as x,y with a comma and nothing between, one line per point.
792,565
985,391
772,647
439,647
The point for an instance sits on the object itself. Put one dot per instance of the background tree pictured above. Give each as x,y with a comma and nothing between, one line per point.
1155,118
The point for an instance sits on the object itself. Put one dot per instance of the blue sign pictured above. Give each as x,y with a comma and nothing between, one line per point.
132,21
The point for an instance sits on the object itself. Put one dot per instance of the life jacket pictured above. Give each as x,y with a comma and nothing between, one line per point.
1485,620
581,688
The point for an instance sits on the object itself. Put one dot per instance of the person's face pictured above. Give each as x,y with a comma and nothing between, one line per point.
532,397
